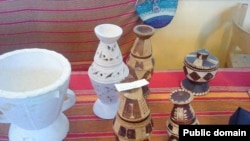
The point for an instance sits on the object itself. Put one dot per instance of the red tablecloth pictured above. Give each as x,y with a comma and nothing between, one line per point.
228,92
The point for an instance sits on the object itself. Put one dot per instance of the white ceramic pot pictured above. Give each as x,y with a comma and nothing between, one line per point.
33,88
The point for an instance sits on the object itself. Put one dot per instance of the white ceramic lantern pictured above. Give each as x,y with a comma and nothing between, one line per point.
106,70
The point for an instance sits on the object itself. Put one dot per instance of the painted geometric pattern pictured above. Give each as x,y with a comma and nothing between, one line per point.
199,76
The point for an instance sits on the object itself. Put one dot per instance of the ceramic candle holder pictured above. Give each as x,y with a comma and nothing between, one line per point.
199,67
107,69
33,90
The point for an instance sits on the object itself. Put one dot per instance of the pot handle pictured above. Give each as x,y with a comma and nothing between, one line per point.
70,101
3,119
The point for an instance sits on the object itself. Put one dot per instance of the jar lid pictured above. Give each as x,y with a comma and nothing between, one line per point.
181,96
201,59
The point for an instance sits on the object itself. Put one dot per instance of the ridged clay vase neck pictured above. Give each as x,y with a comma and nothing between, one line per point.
144,31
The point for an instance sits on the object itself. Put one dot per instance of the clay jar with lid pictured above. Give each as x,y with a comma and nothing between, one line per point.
133,121
140,60
182,112
199,67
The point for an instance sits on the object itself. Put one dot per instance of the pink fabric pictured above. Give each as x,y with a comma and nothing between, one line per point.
65,26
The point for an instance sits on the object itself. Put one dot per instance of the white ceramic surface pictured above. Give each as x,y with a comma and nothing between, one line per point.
108,100
33,87
105,111
57,131
108,52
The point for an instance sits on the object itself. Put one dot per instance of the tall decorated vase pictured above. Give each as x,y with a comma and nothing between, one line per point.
140,60
106,70
133,121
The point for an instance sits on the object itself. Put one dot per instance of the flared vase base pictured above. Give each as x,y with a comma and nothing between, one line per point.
105,111
57,131
195,88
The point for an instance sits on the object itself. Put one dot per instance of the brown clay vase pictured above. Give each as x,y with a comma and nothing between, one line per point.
141,61
133,121
182,112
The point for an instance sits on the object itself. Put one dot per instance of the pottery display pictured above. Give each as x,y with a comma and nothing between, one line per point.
199,67
156,13
34,94
107,69
182,112
133,120
140,60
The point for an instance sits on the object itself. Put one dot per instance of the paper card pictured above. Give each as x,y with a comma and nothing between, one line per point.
131,85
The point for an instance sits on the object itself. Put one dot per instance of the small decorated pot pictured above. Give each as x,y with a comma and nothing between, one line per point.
182,113
199,67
